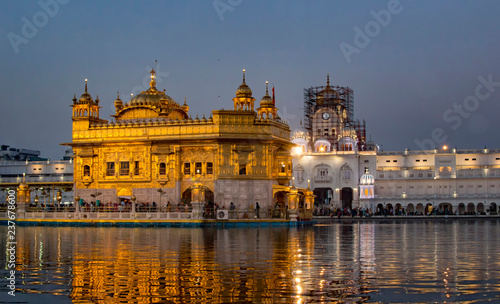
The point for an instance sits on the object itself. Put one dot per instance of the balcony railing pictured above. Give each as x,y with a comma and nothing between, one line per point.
323,179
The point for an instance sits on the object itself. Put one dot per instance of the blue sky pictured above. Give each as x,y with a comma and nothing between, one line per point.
408,79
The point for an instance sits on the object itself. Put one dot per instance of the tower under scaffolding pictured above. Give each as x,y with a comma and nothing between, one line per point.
336,98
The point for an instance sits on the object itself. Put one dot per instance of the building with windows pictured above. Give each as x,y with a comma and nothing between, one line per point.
44,177
154,150
346,171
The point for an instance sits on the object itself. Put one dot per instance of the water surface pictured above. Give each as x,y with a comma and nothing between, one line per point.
421,261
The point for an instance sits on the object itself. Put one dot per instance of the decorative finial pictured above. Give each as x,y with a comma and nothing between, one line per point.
152,83
328,79
243,75
184,100
267,91
118,93
85,85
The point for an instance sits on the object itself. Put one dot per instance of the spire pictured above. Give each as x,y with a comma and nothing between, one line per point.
152,83
86,85
328,79
267,91
118,94
243,75
184,100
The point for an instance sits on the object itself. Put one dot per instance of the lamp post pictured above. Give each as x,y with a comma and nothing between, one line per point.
161,192
133,198
59,198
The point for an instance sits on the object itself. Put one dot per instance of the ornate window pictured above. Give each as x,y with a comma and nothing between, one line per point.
197,168
345,173
210,168
124,168
299,173
86,170
187,168
163,169
110,169
282,167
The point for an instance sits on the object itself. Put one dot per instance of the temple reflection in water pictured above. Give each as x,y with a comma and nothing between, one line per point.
434,260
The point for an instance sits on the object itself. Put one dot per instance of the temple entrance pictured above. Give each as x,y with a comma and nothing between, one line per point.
493,209
323,196
186,196
280,198
346,197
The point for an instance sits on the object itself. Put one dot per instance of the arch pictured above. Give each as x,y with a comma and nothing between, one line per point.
346,197
86,170
471,209
379,210
445,208
85,113
420,209
461,209
323,196
410,208
493,208
280,199
399,209
186,196
390,209
480,208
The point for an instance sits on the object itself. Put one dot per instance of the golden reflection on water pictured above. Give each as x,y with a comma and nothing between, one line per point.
390,262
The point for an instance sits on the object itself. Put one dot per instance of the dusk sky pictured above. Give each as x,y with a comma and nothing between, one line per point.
423,73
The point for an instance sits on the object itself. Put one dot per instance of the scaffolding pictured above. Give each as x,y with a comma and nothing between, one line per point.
331,97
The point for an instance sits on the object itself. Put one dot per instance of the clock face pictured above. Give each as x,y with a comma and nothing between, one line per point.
326,116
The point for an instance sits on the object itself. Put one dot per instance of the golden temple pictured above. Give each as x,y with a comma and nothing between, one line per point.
154,151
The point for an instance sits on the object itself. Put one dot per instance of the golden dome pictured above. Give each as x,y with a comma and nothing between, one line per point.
86,98
118,102
266,101
243,90
152,95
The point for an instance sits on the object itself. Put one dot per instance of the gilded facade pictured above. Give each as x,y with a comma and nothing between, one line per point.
155,151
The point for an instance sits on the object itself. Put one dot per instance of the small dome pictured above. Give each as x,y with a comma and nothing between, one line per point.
266,101
150,96
118,102
300,132
367,178
243,90
86,98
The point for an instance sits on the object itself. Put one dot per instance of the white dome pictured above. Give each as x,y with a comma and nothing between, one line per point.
367,178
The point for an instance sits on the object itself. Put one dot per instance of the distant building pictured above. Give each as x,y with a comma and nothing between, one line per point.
8,153
346,171
44,177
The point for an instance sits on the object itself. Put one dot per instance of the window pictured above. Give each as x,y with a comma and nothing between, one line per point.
467,159
473,159
210,168
124,168
395,161
187,168
163,169
325,132
418,160
137,168
86,170
334,132
110,169
197,168
243,169
282,167
425,160
429,174
498,158
366,161
388,161
420,175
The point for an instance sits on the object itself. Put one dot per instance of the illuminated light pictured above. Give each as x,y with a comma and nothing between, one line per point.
445,147
85,79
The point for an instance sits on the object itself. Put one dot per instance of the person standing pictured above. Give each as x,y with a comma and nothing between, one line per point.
257,210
